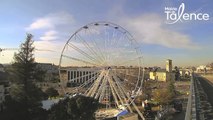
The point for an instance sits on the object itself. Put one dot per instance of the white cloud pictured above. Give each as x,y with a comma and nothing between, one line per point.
48,51
49,35
51,21
151,29
40,23
49,46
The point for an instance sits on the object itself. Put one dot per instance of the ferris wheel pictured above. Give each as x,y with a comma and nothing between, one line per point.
102,60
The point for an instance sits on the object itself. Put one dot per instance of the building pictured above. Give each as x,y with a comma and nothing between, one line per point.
163,74
51,71
169,65
78,74
48,67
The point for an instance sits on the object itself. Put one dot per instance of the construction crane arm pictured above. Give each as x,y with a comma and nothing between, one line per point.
3,49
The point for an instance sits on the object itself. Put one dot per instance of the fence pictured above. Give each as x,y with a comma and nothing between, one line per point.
191,104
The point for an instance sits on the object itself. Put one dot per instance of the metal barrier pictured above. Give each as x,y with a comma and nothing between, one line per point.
191,104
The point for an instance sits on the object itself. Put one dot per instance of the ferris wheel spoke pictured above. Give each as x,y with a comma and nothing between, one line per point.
82,52
127,74
80,60
103,91
131,76
98,94
94,88
119,39
107,43
97,46
92,51
116,88
119,49
128,61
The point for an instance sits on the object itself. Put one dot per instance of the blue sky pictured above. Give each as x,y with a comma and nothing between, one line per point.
52,22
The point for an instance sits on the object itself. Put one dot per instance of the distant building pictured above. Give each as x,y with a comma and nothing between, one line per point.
50,69
203,68
184,73
163,74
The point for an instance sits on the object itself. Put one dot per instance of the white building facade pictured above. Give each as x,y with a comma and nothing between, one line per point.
80,75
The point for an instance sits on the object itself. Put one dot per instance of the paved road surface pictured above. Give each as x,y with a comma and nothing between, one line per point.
206,101
208,88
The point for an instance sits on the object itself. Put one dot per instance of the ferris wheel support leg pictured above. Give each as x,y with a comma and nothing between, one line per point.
101,88
134,105
94,88
123,93
113,92
116,88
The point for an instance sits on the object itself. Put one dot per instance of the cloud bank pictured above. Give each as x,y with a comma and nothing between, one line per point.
49,44
49,35
151,29
51,21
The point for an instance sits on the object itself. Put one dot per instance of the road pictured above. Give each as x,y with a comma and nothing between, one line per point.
206,99
208,89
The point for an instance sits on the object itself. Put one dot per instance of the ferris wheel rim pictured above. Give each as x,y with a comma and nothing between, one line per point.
137,51
92,24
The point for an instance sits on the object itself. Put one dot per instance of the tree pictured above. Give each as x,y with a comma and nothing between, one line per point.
166,95
177,73
51,92
162,96
39,73
171,88
75,108
147,90
25,98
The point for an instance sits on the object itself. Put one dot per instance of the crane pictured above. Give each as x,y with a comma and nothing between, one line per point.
4,49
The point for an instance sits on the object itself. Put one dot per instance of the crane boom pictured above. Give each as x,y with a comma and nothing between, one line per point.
3,49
